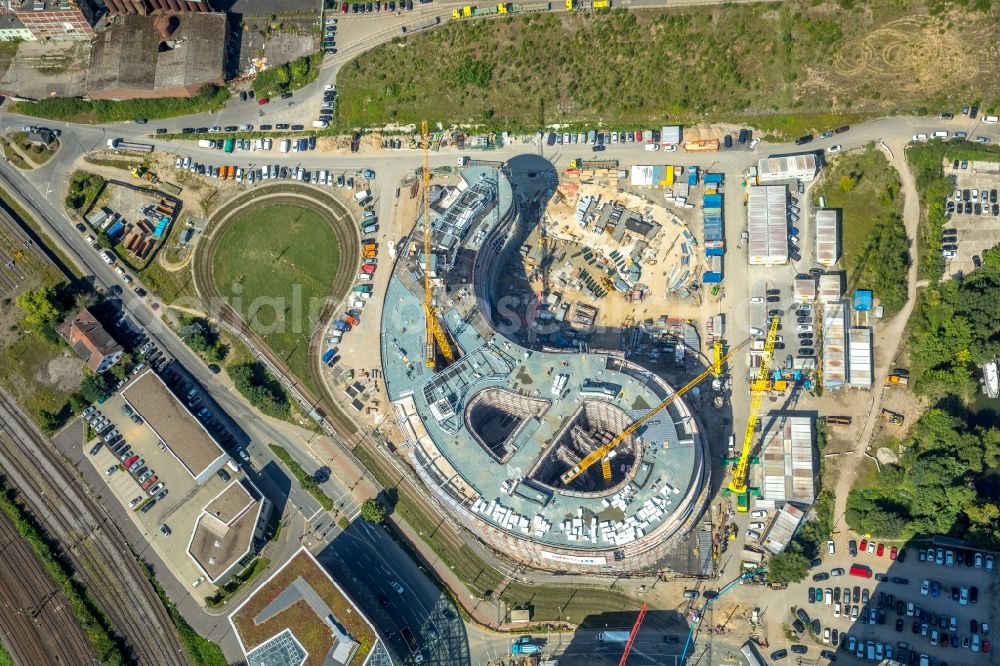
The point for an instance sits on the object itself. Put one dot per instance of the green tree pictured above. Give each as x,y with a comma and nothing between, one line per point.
848,182
372,511
300,68
788,566
39,307
94,387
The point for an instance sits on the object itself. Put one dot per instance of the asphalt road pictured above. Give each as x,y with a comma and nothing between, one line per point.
43,189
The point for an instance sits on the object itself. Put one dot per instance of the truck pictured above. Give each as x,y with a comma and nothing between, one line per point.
613,636
206,143
898,377
525,648
407,635
593,164
129,146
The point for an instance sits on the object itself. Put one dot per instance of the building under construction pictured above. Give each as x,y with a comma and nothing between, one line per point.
493,433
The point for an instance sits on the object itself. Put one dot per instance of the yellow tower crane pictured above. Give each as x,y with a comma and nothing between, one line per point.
758,389
601,453
436,339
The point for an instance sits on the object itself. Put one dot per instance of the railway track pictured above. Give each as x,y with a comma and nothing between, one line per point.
34,618
101,556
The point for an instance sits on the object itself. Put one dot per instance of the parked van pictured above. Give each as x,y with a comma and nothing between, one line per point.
991,120
320,124
361,195
205,143
284,145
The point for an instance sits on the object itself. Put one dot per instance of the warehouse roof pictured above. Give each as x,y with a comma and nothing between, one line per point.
801,166
767,217
224,531
181,432
132,54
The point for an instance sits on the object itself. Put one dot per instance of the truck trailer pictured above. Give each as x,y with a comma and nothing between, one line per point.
129,146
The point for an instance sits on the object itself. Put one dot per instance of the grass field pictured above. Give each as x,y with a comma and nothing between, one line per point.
865,187
276,263
782,67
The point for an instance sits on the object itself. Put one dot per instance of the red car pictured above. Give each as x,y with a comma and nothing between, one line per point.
368,268
128,461
148,483
892,553
986,647
263,100
864,546
343,8
880,549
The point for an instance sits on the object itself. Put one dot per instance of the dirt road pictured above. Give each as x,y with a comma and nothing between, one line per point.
892,331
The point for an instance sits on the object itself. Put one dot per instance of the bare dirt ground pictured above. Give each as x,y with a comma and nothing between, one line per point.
43,69
63,372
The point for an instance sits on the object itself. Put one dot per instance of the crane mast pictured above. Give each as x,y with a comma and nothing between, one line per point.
601,453
435,337
758,389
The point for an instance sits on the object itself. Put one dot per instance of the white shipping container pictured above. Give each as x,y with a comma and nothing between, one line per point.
859,355
834,347
827,248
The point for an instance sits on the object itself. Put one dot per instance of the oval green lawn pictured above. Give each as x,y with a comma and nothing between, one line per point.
275,264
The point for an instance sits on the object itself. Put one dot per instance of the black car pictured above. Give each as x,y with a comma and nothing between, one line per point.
597,148
852,546
214,368
383,601
826,654
973,595
140,121
243,95
816,627
140,292
821,576
804,139
201,130
800,649
161,130
710,594
727,142
798,626
281,126
312,142
223,474
973,112
815,272
842,129
778,655
298,128
96,447
743,136
286,95
266,128
187,130
776,313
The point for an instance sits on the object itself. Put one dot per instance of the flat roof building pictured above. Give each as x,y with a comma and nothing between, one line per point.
835,345
58,19
782,529
300,616
805,289
859,357
183,435
787,467
831,287
224,533
827,235
787,167
767,218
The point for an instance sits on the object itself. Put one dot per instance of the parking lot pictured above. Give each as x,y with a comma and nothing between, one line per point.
797,330
164,498
910,606
973,211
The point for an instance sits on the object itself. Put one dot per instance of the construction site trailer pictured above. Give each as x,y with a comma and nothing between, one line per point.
767,219
787,167
859,356
835,345
670,135
827,247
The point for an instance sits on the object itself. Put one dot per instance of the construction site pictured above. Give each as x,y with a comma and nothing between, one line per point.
562,451
134,220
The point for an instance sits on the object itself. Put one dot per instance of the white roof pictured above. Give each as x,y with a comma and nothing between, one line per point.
767,218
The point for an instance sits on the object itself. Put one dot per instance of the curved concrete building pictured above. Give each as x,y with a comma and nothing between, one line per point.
491,434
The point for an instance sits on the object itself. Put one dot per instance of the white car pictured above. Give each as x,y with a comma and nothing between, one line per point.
756,526
805,328
871,545
925,586
760,513
826,635
754,143
134,501
670,148
119,270
108,257
920,137
949,254
836,609
91,240
652,147
834,149
396,586
329,87
756,299
754,535
364,276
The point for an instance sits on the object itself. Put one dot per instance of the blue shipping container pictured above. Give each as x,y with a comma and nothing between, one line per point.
712,200
711,278
115,229
714,178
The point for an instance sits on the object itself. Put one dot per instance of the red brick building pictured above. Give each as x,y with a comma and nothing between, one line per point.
59,19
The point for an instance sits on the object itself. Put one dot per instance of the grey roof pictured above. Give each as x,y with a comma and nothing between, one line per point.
131,53
282,649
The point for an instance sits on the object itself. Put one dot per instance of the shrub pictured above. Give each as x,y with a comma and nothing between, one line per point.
209,98
261,389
